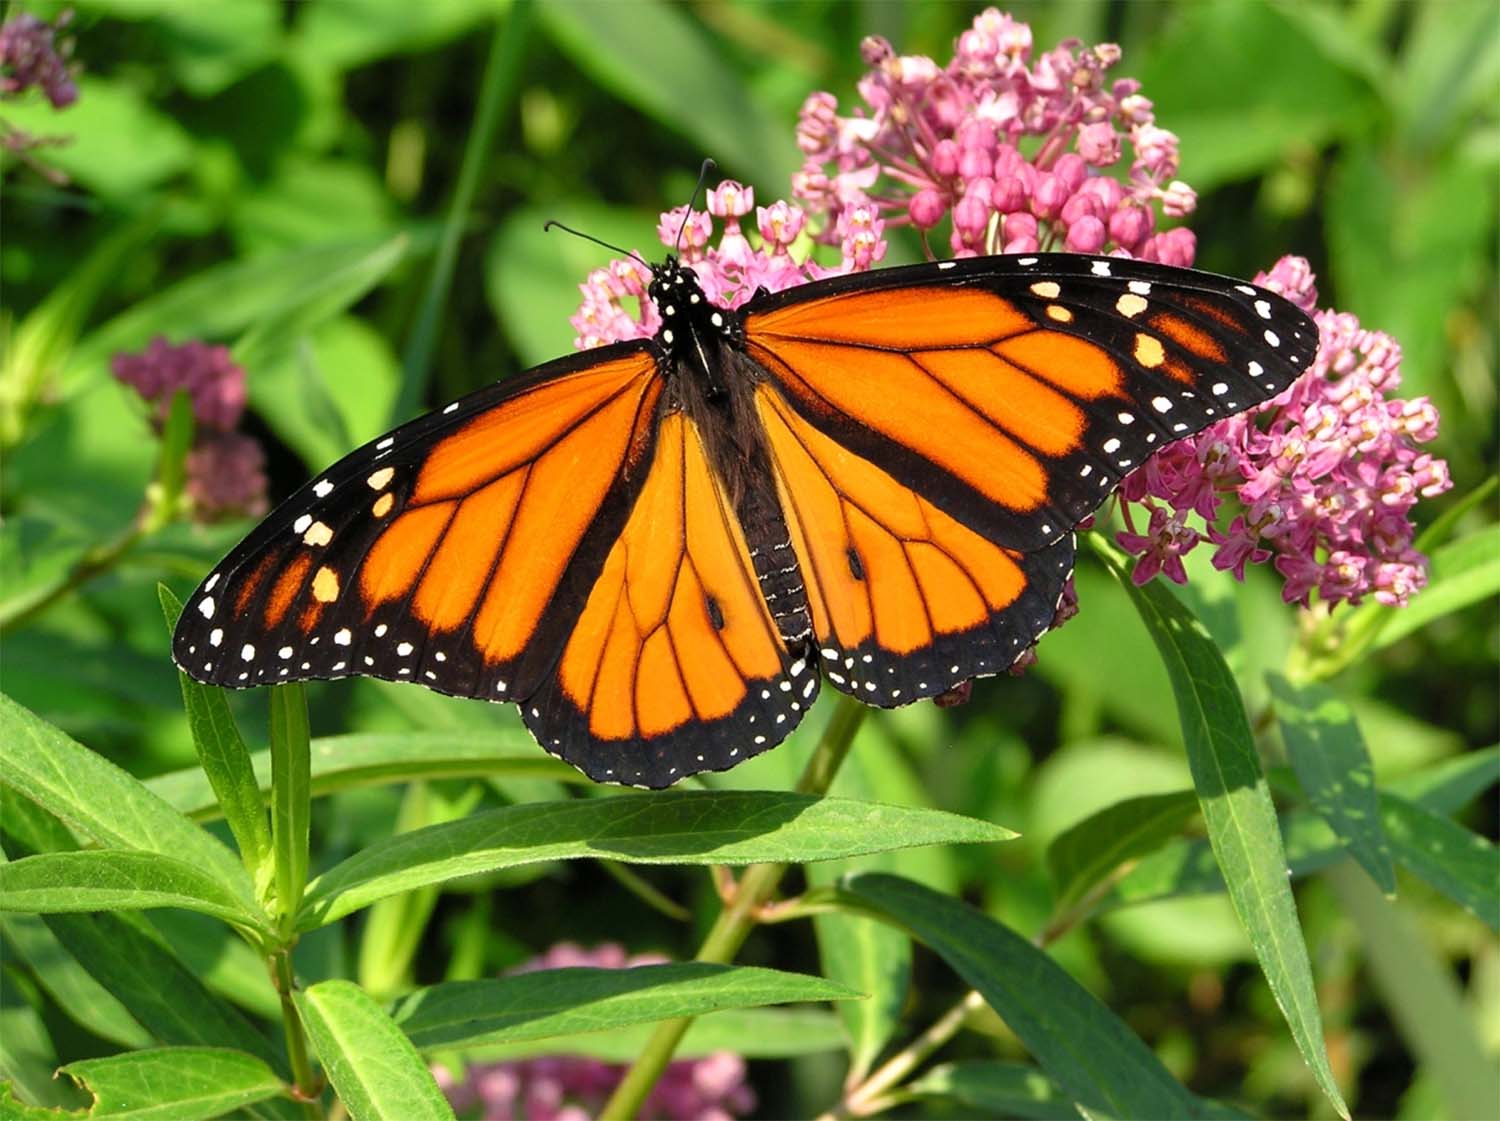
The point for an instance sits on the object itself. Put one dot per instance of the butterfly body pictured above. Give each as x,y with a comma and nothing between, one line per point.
661,549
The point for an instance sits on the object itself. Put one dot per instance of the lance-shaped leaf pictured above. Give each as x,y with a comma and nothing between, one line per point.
102,801
675,827
1332,764
1083,1046
1237,810
375,1070
174,1083
565,1001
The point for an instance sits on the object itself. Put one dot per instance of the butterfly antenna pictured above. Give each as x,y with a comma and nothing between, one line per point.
550,223
708,166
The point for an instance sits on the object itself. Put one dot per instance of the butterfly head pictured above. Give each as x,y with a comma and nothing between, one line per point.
688,317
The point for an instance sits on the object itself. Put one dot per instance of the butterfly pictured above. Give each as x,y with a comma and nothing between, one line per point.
660,549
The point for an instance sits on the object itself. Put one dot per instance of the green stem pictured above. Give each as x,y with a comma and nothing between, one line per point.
737,920
95,562
291,800
296,1040
868,1095
501,75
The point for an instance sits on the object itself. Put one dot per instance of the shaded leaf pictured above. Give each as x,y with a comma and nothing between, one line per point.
1083,855
1083,1047
568,1001
1238,812
1451,784
1328,753
1460,864
683,827
345,762
224,761
1006,1089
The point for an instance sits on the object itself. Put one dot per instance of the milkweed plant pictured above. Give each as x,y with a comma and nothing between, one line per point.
1214,851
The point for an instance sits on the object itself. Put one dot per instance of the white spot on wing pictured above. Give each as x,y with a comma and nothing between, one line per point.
343,637
206,607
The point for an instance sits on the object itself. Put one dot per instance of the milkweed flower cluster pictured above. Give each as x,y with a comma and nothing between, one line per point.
225,468
570,1088
31,56
730,271
1325,476
1005,144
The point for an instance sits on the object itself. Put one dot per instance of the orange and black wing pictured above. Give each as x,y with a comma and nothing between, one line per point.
937,432
454,552
676,664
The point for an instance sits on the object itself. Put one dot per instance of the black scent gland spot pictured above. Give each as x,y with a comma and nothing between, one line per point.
855,566
715,616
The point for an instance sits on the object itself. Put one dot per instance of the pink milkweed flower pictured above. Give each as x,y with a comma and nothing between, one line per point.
1325,476
941,140
225,469
31,55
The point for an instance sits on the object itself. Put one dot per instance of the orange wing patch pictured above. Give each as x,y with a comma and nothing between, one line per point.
884,318
883,566
675,628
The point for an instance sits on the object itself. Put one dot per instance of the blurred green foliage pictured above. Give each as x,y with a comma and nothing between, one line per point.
278,177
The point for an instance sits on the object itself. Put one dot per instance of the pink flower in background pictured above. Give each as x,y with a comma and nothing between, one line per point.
574,1088
1324,477
31,55
1011,147
225,469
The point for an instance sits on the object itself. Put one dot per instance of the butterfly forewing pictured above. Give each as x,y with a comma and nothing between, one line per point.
1016,392
454,551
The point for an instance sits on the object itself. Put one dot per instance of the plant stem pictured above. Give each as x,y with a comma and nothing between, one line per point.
95,562
501,74
863,1098
296,1041
737,920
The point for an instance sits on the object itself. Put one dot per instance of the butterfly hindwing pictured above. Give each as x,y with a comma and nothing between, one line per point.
906,601
1016,392
676,664
453,551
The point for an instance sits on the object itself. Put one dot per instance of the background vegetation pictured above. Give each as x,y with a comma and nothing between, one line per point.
280,178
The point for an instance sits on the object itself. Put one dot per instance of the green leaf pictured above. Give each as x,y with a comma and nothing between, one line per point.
331,393
118,144
753,1033
127,957
1083,1047
654,56
226,299
685,827
1460,864
375,1070
1197,73
1328,753
347,762
567,1001
223,758
996,1088
173,1083
1421,995
318,299
77,994
1085,854
99,799
348,33
111,880
1464,572
872,957
1448,786
531,277
1238,811
291,798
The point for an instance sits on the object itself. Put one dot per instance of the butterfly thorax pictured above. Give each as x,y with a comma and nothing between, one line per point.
694,330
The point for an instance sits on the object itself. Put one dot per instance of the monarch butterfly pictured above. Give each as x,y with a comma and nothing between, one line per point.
660,548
